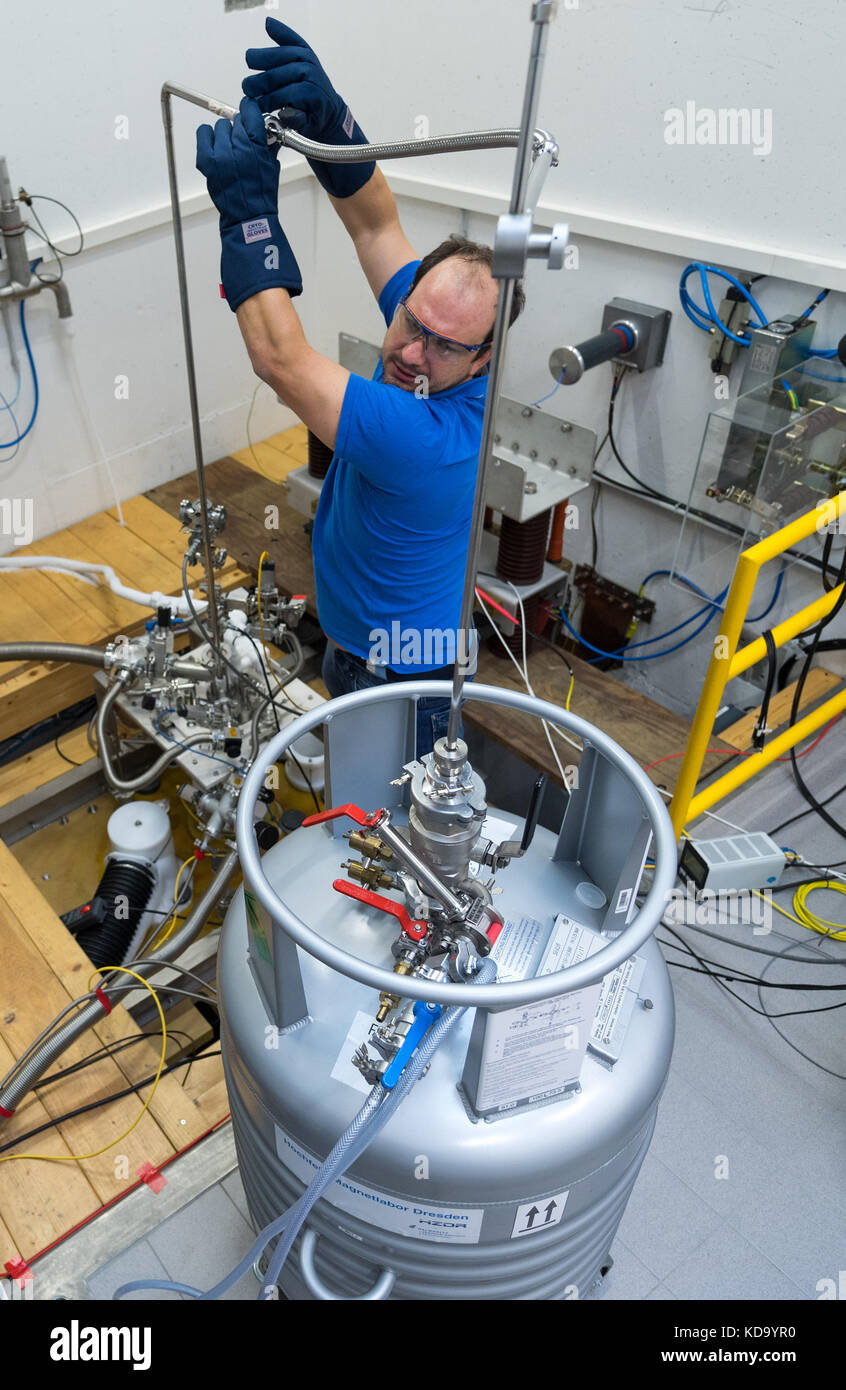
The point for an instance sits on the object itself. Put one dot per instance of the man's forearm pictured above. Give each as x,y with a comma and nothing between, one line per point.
372,220
311,385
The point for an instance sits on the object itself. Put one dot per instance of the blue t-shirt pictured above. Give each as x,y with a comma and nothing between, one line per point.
393,523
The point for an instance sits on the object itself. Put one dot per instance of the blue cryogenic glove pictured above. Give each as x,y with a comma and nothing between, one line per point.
290,75
243,181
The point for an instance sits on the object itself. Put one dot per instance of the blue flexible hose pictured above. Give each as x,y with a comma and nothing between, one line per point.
374,1114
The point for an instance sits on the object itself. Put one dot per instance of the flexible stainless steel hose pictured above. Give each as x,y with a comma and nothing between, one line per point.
500,139
134,784
52,651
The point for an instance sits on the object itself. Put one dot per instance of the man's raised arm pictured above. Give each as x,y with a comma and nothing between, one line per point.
289,74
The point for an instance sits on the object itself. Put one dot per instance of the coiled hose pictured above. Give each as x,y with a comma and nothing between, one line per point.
373,1116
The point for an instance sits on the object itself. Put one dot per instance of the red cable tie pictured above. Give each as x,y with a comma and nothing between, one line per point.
199,854
222,291
19,1270
6,1113
103,998
152,1177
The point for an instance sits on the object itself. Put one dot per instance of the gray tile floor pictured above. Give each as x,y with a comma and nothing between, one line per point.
740,1196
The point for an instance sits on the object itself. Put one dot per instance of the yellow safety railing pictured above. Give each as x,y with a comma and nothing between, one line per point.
727,662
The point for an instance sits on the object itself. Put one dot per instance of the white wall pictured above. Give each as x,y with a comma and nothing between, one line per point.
95,66
639,210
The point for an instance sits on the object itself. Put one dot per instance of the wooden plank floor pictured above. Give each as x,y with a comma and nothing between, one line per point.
43,1198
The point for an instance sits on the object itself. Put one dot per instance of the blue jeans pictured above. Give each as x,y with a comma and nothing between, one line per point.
343,673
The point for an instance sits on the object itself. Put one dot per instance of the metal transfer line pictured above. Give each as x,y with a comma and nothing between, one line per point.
541,16
527,140
211,613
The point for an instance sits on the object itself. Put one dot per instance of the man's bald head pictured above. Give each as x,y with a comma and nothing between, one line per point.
454,295
470,264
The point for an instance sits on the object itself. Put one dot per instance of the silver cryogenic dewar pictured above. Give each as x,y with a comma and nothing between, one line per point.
505,1172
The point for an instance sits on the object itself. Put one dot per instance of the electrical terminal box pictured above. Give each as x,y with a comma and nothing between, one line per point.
731,862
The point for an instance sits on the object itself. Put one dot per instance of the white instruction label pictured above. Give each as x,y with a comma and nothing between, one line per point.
515,947
617,997
539,1216
343,1070
534,1052
421,1221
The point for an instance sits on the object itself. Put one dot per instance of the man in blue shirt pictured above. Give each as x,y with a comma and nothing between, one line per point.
392,528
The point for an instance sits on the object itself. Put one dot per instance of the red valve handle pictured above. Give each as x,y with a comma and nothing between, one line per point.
354,812
416,930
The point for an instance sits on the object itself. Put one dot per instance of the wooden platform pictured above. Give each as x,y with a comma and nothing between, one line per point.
146,553
41,1200
43,969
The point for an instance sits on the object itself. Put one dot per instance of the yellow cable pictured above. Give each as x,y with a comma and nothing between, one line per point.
261,470
570,691
810,919
171,921
78,1158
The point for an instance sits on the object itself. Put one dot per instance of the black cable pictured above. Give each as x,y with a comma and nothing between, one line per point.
800,814
740,1000
646,491
828,1070
242,675
106,1051
199,1055
64,755
760,731
645,487
815,632
266,674
824,868
272,702
743,977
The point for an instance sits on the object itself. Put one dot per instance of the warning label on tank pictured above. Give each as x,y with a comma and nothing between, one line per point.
420,1221
536,1051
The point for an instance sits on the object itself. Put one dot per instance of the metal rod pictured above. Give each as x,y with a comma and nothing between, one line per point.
167,119
421,870
541,15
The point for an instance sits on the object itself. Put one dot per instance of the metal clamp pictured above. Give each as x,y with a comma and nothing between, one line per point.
515,243
316,1287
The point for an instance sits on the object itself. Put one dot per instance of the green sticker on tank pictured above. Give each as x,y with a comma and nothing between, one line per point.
256,926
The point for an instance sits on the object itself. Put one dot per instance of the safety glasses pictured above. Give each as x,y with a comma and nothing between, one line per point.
434,344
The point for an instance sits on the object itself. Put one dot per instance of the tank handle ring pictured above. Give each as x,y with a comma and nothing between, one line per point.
381,1289
625,943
